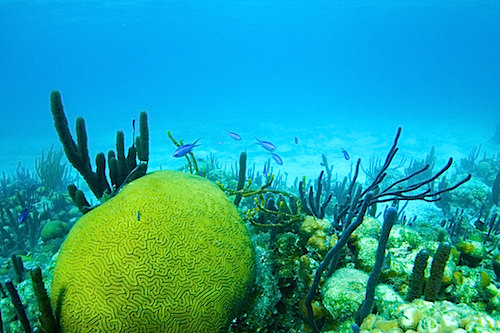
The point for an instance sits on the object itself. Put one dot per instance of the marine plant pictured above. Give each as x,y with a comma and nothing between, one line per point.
21,218
47,319
241,176
289,242
365,309
270,208
191,159
122,168
469,163
51,171
415,165
311,204
353,213
417,281
437,269
495,189
18,305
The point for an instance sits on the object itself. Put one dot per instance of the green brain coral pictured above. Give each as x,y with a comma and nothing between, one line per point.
169,253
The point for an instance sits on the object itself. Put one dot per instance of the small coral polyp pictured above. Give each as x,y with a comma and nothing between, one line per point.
169,253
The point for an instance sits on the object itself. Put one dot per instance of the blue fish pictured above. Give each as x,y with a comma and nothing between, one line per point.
346,154
233,135
296,140
185,149
277,158
24,215
266,145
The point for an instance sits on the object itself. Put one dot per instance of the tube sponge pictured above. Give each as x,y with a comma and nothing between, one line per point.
418,276
437,270
390,217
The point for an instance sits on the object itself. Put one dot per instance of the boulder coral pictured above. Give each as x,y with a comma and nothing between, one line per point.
169,253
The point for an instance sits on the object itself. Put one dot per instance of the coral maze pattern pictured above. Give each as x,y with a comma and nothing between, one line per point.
169,253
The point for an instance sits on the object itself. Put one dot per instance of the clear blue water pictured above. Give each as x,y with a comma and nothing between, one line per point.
273,69
335,74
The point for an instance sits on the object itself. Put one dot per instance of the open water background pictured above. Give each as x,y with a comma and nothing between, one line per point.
333,73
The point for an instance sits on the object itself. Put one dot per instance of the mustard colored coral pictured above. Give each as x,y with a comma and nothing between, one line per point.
169,253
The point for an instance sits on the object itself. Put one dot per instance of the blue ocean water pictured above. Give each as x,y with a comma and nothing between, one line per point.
312,77
329,72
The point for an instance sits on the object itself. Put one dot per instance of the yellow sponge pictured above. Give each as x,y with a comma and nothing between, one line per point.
169,253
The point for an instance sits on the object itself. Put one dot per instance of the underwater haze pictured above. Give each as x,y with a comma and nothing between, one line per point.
331,73
355,146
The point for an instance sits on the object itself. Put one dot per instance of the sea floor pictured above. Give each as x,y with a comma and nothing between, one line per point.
301,138
300,142
362,137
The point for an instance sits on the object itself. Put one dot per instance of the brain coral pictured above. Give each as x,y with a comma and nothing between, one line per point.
169,253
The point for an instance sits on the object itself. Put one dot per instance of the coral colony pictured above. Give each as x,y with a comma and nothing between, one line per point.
217,248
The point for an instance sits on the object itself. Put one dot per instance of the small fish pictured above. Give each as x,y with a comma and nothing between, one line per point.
277,158
480,225
346,154
185,149
296,140
233,135
24,215
266,145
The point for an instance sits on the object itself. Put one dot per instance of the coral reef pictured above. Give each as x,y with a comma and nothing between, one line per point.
168,253
26,206
424,316
343,293
352,212
53,230
316,244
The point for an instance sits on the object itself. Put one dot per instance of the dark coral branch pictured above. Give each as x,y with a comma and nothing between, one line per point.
311,205
18,305
356,206
390,217
328,258
241,176
78,154
47,319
